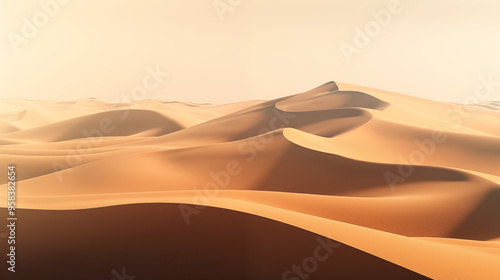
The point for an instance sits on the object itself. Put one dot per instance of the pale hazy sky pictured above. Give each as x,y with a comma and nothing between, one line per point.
261,49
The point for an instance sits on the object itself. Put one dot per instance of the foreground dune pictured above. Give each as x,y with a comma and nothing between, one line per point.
410,188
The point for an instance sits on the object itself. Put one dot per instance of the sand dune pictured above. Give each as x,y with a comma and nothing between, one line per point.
409,187
251,248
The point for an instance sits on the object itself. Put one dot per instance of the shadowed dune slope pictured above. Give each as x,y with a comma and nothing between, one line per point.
222,245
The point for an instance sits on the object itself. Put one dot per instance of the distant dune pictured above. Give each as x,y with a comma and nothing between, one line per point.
408,187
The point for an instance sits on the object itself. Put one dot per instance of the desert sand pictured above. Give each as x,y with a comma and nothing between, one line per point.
408,187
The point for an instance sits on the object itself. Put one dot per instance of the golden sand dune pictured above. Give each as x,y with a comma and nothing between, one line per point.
410,187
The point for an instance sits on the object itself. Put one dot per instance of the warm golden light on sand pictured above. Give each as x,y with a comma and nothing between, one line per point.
411,186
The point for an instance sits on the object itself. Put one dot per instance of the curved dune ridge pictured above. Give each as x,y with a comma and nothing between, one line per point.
408,187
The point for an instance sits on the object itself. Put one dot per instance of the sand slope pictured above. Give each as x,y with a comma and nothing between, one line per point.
410,187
